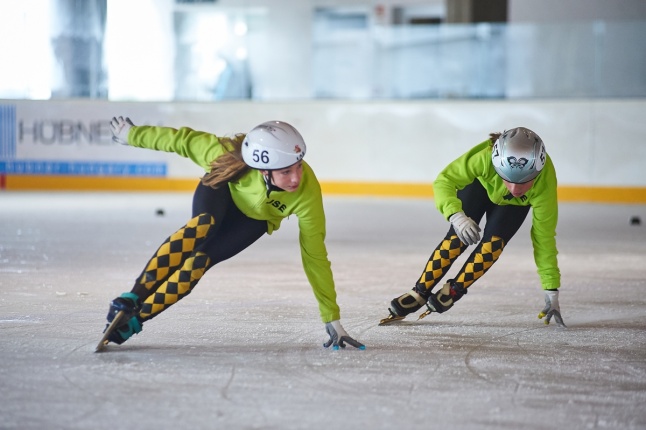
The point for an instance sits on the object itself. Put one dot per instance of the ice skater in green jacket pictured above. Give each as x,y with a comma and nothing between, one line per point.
252,182
501,177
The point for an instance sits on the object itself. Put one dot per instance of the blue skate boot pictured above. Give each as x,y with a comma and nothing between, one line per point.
130,305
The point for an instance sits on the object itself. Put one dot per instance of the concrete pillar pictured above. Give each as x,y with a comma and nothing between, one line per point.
470,11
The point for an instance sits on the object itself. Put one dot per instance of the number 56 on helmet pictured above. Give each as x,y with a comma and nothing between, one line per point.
273,145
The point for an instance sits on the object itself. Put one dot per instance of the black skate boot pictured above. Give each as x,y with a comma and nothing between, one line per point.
403,305
444,299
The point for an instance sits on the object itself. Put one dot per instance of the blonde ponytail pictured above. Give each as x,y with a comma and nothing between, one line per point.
229,167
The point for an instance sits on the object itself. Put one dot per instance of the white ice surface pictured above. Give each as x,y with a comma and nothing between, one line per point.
243,351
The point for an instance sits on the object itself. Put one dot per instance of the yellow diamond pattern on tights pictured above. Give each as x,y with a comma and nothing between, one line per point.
480,261
178,285
172,253
441,260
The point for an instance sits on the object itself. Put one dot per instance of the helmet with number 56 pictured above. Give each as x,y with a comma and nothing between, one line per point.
273,145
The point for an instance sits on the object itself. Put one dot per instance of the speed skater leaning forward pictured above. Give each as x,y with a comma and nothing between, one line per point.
252,182
501,177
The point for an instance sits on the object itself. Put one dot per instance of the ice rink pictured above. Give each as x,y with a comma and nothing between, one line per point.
244,350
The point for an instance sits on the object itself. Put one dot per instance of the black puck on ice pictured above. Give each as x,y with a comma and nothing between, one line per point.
635,220
159,212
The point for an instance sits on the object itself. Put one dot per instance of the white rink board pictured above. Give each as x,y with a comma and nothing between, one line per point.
592,142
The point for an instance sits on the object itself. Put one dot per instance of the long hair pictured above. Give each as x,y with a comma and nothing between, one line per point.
229,167
493,137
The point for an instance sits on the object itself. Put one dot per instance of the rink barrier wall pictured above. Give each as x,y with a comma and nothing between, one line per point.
634,195
373,148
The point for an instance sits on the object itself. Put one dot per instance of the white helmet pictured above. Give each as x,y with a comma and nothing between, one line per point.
273,145
518,155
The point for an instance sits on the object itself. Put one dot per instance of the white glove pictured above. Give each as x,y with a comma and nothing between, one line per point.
552,308
338,336
120,128
467,229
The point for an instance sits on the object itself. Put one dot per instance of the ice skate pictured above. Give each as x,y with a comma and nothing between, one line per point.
122,322
444,299
390,319
403,305
423,315
118,320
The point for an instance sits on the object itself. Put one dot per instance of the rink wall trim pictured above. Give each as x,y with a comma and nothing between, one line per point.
635,195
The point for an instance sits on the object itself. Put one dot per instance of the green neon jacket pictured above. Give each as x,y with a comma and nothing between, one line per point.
250,196
542,197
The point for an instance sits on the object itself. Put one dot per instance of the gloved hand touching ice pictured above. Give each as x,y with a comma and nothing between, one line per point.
339,337
552,308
